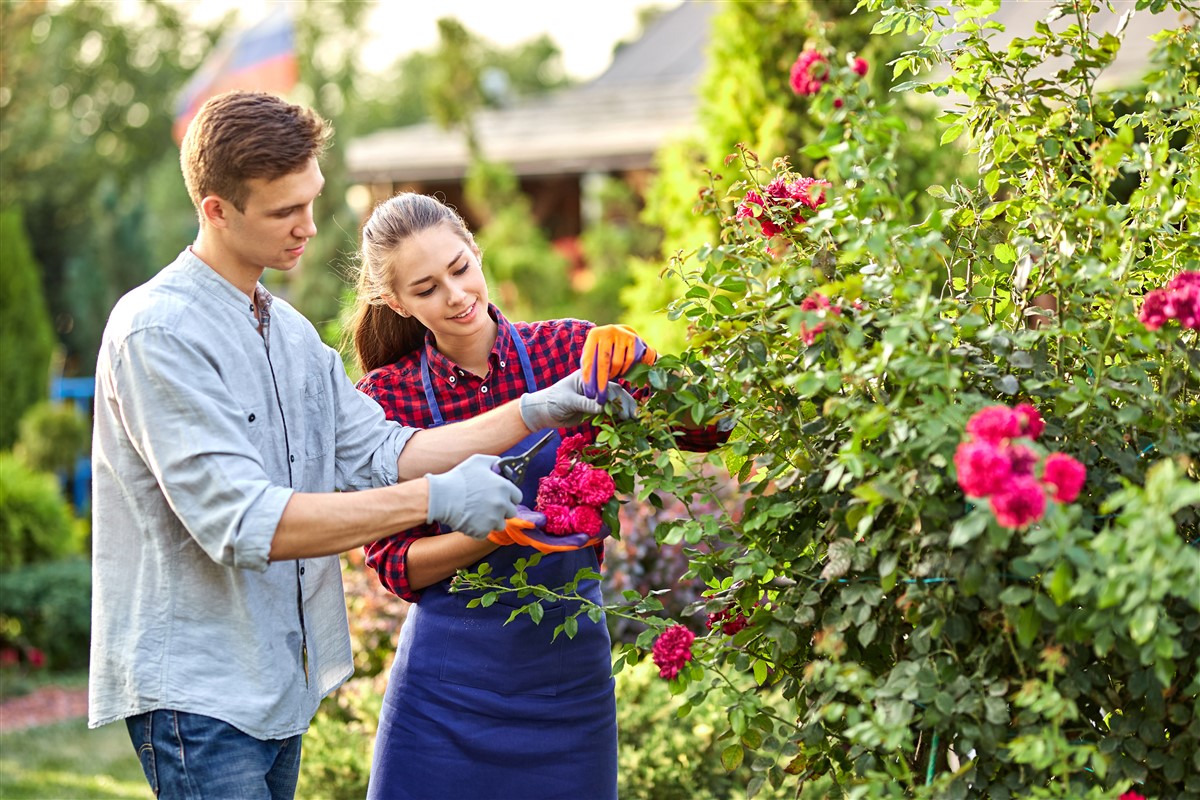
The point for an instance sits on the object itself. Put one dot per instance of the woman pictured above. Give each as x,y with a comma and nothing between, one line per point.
476,707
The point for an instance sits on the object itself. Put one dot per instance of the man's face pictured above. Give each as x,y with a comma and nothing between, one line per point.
278,220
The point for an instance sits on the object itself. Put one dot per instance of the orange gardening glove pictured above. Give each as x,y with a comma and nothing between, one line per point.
525,529
608,352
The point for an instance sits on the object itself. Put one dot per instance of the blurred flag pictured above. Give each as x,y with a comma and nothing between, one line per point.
260,58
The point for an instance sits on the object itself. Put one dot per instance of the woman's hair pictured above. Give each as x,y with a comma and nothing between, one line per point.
241,135
381,336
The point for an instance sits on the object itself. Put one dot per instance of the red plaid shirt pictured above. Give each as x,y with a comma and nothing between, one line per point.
554,348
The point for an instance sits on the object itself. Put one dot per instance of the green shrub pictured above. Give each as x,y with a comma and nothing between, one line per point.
36,522
26,332
48,606
671,748
925,644
52,436
341,740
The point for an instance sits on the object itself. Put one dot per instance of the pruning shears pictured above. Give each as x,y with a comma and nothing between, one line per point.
513,467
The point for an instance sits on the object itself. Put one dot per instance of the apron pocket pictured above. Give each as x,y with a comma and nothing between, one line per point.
517,658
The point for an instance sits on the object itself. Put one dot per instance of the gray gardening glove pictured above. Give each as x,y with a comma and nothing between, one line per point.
472,497
564,405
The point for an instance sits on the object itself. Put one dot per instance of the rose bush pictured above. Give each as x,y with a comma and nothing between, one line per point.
926,642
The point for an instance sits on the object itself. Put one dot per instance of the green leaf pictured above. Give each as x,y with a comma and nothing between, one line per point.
731,757
1059,585
953,132
536,612
1143,623
991,182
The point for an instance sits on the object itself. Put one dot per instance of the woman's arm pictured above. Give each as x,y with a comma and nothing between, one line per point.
435,558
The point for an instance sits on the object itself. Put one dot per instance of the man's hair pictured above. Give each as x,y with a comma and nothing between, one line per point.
239,135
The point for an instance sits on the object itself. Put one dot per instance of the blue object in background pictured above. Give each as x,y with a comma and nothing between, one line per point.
81,391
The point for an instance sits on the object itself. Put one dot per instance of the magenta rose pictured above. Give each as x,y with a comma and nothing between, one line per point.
1065,474
672,650
1020,503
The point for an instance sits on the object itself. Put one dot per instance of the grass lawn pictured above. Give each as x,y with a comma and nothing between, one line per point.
67,761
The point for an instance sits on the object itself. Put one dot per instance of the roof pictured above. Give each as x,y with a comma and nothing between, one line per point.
620,119
617,121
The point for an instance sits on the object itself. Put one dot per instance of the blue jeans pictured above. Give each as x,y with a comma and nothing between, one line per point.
194,757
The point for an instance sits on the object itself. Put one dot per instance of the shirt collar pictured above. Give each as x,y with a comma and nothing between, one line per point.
209,279
501,359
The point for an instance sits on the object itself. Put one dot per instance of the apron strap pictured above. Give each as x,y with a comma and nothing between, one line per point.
427,384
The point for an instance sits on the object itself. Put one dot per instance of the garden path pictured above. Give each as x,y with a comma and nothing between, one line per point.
41,707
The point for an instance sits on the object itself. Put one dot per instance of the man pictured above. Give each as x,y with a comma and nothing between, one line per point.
226,441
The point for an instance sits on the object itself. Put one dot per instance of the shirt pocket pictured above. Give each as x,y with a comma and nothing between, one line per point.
318,420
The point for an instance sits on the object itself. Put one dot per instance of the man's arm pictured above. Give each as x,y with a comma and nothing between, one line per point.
561,405
438,449
328,523
472,498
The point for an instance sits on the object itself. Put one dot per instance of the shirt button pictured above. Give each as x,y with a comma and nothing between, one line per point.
501,363
302,570
483,389
250,418
452,379
292,459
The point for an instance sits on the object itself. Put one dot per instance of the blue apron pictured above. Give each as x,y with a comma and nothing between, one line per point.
476,708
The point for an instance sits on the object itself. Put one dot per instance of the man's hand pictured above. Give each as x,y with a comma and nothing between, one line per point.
608,352
526,528
563,404
472,498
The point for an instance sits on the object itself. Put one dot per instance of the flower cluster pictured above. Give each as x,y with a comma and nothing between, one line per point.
782,195
14,657
572,495
730,624
672,650
810,71
1180,300
992,463
819,303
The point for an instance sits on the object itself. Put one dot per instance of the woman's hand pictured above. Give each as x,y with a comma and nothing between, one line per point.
608,352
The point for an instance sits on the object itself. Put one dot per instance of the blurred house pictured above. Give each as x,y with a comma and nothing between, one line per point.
613,124
557,143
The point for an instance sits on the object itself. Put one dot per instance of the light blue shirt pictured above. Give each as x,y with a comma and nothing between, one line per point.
204,429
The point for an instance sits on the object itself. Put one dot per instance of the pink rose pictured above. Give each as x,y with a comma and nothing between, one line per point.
983,468
1184,280
1019,503
558,519
1031,421
994,424
586,519
1065,474
808,73
1152,314
553,490
1021,460
860,66
672,650
595,488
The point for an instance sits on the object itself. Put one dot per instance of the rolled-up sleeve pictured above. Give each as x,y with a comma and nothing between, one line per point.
189,430
368,444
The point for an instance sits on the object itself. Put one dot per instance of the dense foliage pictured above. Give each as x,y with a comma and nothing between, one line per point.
45,608
26,333
36,523
929,640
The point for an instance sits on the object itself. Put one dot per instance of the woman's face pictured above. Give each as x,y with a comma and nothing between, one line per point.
438,280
